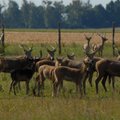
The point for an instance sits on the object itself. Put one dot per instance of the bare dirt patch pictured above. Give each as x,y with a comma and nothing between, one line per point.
52,37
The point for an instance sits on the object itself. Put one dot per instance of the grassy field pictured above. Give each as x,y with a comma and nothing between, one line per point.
68,106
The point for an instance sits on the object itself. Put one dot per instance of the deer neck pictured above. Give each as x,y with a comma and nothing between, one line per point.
103,42
88,42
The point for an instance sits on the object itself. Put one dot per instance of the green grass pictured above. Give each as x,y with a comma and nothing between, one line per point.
68,106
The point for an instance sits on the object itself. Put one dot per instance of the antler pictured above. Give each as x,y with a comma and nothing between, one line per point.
23,47
102,36
89,37
31,48
53,49
71,56
92,54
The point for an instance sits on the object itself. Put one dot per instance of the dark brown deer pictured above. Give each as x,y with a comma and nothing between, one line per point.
104,68
19,75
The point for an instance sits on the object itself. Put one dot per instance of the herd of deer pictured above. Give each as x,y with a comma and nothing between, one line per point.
57,70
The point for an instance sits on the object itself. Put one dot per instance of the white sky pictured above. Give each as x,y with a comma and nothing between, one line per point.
38,2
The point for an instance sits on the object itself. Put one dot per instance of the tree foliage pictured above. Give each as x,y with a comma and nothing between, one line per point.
77,14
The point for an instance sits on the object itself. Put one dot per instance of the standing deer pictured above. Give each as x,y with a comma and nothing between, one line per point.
87,46
19,75
104,68
90,62
100,46
70,74
44,72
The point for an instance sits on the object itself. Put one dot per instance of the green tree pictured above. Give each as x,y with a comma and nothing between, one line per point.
25,13
12,15
36,16
74,12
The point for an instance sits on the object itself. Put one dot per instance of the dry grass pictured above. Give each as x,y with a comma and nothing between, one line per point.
51,37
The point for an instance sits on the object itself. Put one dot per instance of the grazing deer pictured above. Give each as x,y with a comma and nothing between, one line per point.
87,46
100,46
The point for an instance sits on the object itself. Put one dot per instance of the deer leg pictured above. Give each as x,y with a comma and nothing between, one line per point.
104,81
54,90
84,82
113,82
56,86
38,88
14,84
80,89
19,86
90,78
96,82
27,87
11,85
34,92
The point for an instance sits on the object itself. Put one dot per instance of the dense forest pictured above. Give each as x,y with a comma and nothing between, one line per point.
77,14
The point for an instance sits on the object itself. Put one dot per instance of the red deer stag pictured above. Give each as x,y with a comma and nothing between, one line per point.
100,46
87,46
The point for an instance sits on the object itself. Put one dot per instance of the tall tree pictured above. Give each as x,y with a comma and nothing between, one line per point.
113,9
25,10
74,13
12,15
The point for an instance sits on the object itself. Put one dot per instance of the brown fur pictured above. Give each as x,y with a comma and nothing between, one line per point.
44,72
70,74
9,64
105,67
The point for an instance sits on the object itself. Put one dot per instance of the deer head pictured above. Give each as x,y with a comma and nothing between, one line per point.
103,36
51,53
59,61
27,51
71,57
88,38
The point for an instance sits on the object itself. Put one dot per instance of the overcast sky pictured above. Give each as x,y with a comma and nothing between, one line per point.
38,2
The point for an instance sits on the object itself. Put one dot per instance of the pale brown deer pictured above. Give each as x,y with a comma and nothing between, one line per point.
44,72
87,46
101,45
70,74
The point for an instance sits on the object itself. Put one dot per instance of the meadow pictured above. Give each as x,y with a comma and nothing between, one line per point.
68,106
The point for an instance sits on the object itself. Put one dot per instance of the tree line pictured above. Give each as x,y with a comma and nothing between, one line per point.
77,14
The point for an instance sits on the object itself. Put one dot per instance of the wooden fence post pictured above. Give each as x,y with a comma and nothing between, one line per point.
113,38
3,37
59,39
